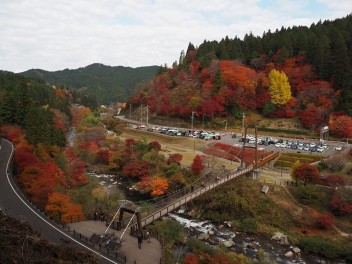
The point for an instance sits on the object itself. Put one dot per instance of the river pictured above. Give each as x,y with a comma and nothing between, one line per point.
213,234
251,246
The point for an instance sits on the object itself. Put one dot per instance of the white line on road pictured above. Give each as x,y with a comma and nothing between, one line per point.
57,229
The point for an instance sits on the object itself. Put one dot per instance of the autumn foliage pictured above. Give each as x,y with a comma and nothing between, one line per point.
306,173
325,221
234,153
60,206
197,165
75,168
341,201
174,158
41,180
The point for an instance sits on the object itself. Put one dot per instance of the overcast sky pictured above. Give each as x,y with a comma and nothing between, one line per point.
59,34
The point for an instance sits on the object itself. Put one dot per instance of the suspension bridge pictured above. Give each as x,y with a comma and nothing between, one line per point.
171,203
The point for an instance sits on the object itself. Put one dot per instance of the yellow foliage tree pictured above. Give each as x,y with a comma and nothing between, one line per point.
279,87
295,166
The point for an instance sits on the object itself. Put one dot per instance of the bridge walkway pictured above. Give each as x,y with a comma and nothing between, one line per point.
178,202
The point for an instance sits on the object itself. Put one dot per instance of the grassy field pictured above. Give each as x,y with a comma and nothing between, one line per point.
186,146
286,160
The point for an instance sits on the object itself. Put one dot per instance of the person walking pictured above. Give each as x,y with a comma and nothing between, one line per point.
140,239
101,216
147,237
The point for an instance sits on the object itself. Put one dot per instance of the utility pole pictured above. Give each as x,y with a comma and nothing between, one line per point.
141,113
225,125
147,110
130,111
192,117
243,116
203,120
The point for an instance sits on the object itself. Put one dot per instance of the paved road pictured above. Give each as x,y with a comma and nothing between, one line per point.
15,206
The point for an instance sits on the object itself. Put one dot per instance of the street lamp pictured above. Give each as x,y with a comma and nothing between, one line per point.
203,120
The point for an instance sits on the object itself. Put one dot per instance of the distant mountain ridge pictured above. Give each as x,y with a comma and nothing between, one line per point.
106,83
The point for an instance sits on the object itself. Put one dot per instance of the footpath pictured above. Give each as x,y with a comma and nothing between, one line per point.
149,253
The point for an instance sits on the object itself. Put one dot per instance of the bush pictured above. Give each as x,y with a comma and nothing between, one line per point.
336,163
309,194
329,249
170,230
197,246
248,225
322,166
325,221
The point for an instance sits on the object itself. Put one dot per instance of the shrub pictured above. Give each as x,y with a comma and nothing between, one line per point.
306,173
197,246
325,221
336,163
330,249
309,194
322,166
248,225
334,180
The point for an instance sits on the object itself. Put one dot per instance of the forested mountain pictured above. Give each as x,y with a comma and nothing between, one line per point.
106,83
34,106
312,80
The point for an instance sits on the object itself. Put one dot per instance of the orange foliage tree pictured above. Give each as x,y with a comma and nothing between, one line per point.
60,206
158,186
41,180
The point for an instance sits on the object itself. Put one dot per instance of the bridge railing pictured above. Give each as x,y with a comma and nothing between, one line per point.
188,197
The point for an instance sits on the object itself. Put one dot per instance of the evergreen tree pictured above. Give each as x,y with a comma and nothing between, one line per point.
339,63
345,100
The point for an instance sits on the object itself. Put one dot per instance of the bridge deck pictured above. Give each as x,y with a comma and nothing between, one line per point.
177,202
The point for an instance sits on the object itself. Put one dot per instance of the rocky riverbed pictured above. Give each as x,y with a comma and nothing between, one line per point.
274,250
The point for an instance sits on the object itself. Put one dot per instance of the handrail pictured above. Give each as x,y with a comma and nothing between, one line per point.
190,195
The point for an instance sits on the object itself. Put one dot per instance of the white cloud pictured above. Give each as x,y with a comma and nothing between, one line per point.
54,35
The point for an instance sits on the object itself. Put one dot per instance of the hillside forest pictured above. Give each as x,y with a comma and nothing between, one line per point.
106,83
300,73
37,118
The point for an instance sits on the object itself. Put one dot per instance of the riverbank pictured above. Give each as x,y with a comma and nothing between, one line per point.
254,246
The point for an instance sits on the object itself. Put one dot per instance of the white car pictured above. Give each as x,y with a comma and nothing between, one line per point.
320,149
338,148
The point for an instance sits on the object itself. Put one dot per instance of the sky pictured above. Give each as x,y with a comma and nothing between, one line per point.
59,34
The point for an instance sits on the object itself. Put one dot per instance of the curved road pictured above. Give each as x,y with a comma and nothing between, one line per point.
15,206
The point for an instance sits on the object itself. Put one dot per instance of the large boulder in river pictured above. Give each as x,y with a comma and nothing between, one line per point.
228,243
228,224
203,236
289,254
296,250
283,240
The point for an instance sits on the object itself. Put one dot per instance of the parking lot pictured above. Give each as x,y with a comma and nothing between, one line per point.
312,146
